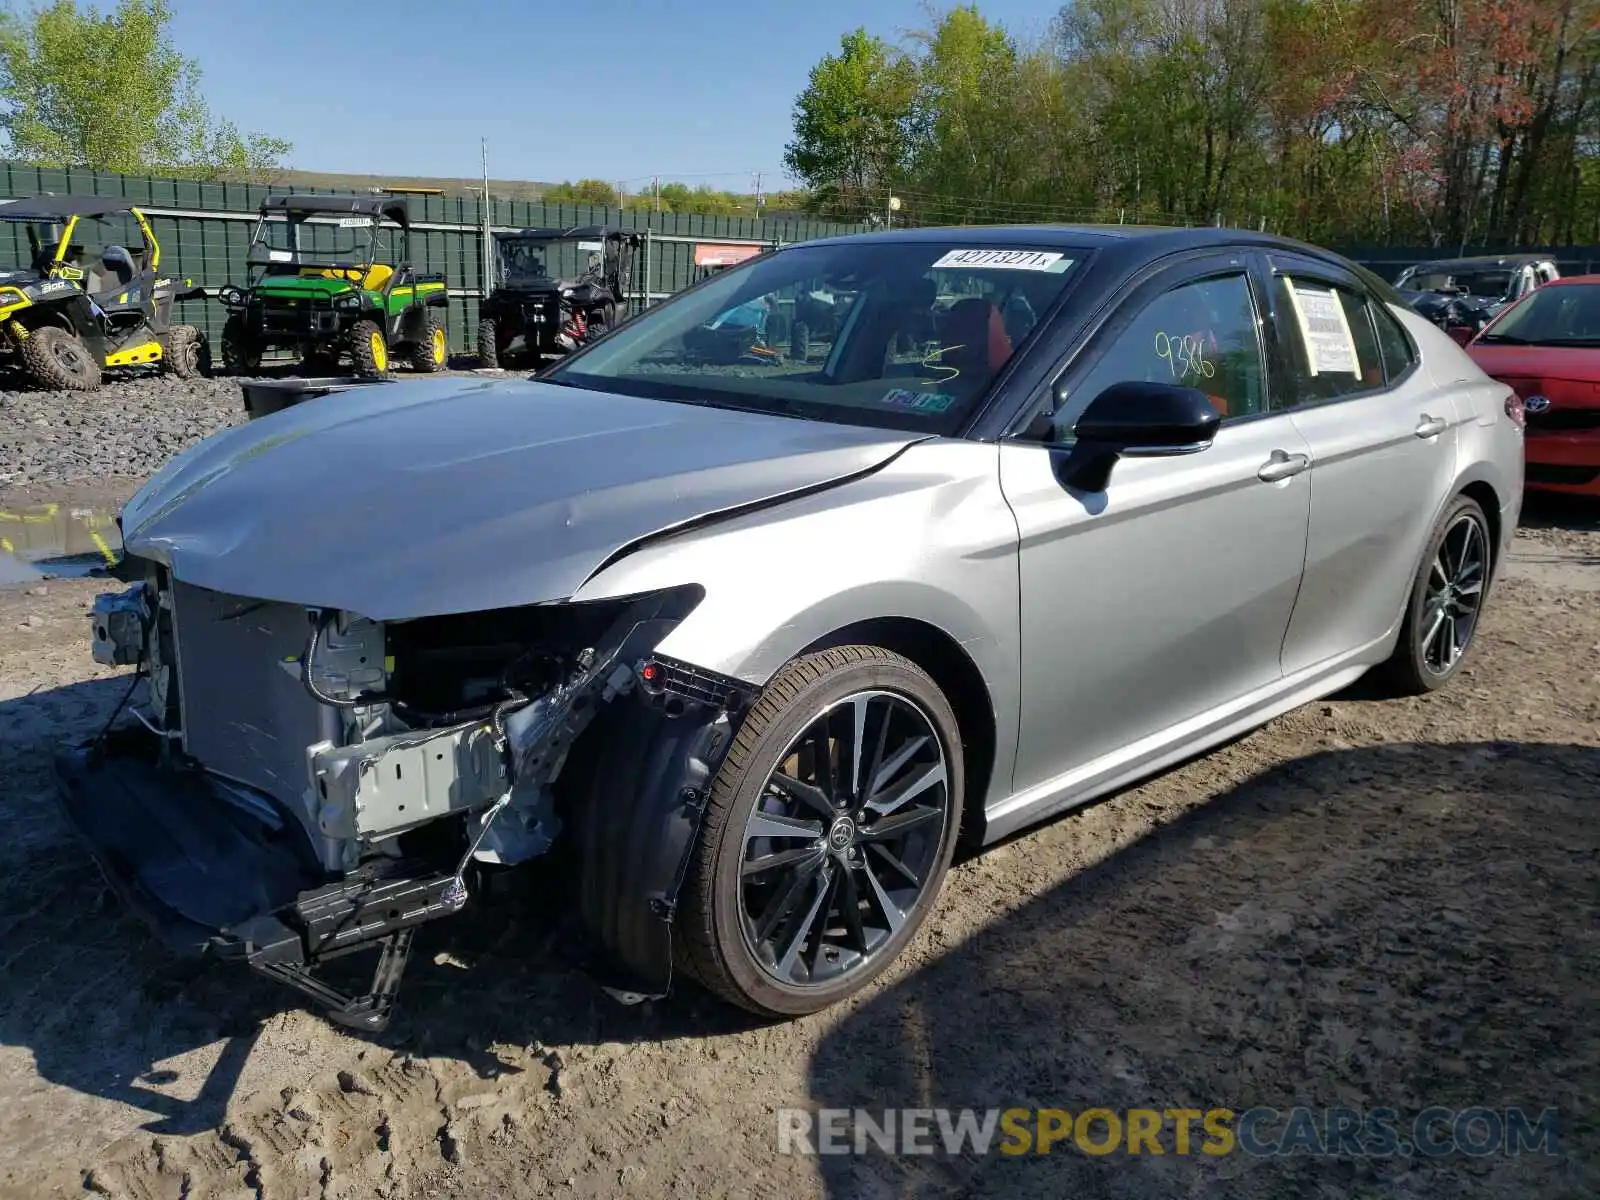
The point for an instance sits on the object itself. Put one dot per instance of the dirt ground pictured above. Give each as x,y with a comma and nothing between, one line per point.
1367,903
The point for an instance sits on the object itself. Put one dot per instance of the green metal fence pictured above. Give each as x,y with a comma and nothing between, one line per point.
204,230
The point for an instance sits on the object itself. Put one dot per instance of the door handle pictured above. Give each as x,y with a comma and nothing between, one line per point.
1282,466
1429,427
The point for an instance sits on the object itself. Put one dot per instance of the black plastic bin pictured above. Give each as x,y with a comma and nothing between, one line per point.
263,396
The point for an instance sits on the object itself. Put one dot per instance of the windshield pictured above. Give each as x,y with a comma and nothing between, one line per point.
34,242
1561,315
901,335
1472,283
325,242
526,260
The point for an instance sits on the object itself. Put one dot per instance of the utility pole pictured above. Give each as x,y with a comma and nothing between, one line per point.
656,184
758,193
488,237
621,195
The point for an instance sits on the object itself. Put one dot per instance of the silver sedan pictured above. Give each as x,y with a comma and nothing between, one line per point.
755,607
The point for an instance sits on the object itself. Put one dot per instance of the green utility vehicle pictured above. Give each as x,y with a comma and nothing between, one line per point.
317,288
81,307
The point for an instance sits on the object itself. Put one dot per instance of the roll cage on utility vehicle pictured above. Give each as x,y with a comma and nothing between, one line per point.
67,316
317,287
555,290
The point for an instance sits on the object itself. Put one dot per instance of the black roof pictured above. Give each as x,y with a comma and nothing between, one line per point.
1480,262
51,208
1130,242
389,207
575,231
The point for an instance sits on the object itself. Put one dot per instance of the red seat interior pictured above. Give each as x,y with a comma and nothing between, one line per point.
975,337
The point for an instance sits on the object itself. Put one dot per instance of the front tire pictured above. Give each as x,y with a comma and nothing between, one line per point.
488,343
827,833
1446,601
58,361
240,353
369,349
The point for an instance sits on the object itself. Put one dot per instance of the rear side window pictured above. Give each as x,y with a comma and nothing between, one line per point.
1393,345
1333,348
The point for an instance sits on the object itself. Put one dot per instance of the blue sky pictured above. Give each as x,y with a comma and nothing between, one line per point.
563,89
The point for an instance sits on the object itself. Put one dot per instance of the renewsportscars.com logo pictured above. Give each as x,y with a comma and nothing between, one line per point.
1259,1132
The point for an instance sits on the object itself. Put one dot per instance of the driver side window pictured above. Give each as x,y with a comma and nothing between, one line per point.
1203,334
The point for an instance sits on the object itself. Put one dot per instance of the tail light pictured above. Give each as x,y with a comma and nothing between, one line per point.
1516,411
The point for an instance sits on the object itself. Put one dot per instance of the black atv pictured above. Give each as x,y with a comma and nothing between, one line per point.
317,287
554,290
69,316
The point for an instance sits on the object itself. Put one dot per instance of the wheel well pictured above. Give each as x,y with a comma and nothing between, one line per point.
942,657
1490,503
53,317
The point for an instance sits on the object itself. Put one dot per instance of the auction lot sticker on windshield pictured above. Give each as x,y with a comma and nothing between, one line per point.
1009,260
354,222
1330,347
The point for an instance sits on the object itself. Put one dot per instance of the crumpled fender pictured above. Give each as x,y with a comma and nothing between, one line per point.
637,824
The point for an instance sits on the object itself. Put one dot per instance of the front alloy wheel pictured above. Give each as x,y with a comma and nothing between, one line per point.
828,832
838,852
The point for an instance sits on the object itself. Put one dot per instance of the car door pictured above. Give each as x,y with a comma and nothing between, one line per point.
1383,455
1167,594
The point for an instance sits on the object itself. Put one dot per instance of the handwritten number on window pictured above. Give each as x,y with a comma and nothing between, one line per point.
1185,355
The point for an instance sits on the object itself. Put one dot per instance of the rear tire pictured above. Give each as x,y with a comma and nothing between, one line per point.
796,936
183,351
369,349
432,352
1446,602
58,361
240,353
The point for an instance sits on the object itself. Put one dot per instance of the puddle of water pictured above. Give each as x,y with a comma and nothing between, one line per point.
55,541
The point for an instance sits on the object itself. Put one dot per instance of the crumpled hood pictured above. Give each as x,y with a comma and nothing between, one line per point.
421,498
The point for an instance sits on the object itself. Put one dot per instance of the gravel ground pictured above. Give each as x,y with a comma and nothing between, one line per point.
126,428
1366,903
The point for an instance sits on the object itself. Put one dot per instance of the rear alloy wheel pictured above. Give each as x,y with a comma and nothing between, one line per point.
432,351
57,360
1446,601
183,351
827,833
370,350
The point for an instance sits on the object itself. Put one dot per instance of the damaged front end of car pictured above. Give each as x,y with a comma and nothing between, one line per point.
303,783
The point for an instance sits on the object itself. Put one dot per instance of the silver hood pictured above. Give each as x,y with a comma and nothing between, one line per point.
422,498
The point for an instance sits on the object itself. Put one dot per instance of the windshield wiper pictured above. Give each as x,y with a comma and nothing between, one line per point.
1509,339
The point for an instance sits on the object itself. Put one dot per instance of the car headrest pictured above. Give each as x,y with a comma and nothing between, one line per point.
976,325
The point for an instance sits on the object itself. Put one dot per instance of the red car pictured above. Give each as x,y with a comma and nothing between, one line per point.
1547,348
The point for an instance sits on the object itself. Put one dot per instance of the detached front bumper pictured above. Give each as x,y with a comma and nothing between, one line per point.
217,868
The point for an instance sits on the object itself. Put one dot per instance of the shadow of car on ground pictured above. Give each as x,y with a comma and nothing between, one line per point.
1400,926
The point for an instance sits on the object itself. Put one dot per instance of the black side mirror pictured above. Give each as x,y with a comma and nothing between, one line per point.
1137,420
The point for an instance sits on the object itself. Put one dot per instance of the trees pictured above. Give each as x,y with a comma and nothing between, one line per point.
852,121
111,92
1450,121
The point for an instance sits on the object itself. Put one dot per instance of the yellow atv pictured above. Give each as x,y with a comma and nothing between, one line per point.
66,318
